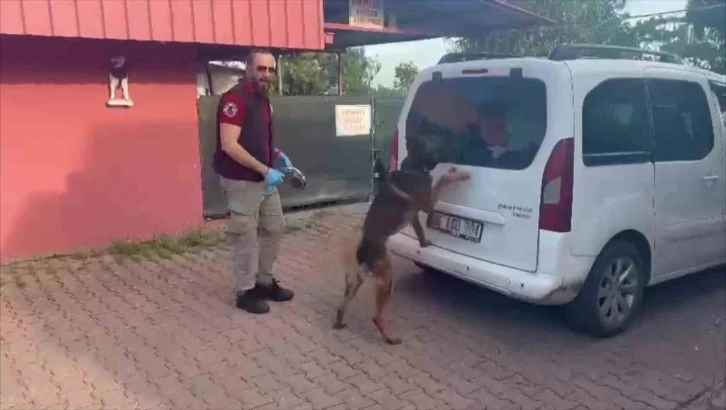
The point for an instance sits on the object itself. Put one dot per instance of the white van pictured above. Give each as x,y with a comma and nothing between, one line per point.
591,179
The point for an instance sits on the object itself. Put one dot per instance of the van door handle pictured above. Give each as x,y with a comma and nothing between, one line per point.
710,178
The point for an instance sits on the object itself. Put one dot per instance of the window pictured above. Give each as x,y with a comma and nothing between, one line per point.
719,91
493,122
615,123
682,126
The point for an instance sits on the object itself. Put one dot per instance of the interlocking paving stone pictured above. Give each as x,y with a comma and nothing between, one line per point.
162,333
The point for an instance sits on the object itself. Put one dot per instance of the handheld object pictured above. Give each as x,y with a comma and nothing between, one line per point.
296,178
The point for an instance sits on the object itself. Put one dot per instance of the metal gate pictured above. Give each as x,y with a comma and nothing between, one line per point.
337,168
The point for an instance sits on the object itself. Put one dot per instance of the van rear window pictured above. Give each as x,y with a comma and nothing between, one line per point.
492,122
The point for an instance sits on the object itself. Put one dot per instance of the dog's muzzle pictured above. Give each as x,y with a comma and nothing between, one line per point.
296,178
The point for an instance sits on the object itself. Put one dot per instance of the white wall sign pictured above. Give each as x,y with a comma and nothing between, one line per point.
352,120
366,13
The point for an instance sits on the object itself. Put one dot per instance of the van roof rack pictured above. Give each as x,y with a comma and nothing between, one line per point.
564,52
458,57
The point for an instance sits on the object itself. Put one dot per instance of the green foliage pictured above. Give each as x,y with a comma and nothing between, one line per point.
603,22
358,72
672,35
304,74
404,75
705,15
316,73
589,21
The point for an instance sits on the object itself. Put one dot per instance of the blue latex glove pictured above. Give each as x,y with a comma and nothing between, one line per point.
269,190
282,162
273,178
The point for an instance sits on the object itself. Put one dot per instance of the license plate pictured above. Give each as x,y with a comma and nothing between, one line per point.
455,226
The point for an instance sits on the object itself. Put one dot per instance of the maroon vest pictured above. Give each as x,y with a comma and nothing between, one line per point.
256,127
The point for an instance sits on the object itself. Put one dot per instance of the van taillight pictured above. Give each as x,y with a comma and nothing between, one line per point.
555,212
393,159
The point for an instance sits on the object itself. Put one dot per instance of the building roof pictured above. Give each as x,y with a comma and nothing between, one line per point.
277,24
423,19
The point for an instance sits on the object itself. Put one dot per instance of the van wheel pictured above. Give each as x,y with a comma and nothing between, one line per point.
613,292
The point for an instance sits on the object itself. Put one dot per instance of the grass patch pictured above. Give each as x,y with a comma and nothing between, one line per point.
165,246
305,223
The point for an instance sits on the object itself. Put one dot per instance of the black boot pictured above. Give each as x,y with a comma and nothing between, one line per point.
252,301
275,292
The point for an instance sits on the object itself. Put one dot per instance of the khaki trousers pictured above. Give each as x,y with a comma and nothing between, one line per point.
254,230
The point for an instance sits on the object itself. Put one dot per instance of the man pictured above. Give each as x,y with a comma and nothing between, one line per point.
249,165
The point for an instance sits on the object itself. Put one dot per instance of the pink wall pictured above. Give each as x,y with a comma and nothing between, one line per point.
76,174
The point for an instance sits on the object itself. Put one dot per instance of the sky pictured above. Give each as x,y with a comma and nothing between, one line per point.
426,53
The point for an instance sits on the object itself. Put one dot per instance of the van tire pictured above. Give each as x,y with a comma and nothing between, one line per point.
614,285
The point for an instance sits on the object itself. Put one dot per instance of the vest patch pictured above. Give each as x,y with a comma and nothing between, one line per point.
230,109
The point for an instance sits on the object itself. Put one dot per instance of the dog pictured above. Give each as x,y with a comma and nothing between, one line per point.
406,192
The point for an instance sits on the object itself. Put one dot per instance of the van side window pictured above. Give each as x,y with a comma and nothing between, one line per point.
682,126
615,124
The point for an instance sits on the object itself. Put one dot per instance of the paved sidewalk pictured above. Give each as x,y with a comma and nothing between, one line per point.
162,333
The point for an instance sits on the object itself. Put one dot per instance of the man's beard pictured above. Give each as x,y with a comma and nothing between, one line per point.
263,87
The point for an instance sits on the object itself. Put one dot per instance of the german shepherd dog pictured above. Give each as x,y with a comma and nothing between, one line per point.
406,192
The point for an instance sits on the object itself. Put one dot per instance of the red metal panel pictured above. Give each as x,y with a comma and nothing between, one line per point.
11,17
241,19
182,20
63,16
90,19
312,24
115,18
278,32
37,17
203,21
161,27
265,23
139,20
295,24
223,23
260,22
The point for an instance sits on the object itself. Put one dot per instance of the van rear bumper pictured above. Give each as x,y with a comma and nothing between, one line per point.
534,287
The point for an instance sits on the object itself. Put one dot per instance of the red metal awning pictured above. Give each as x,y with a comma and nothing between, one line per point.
277,24
296,24
422,19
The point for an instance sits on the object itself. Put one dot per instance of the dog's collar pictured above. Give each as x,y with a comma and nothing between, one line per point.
424,171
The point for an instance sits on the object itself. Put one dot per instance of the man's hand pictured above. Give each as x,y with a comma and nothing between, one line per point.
273,178
282,162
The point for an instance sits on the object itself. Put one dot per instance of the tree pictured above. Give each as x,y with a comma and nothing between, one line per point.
404,75
590,21
303,74
358,72
316,73
707,15
603,22
673,35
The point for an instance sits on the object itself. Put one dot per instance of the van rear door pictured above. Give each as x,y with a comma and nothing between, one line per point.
503,119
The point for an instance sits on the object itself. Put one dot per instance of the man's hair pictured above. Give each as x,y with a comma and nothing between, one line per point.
251,56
